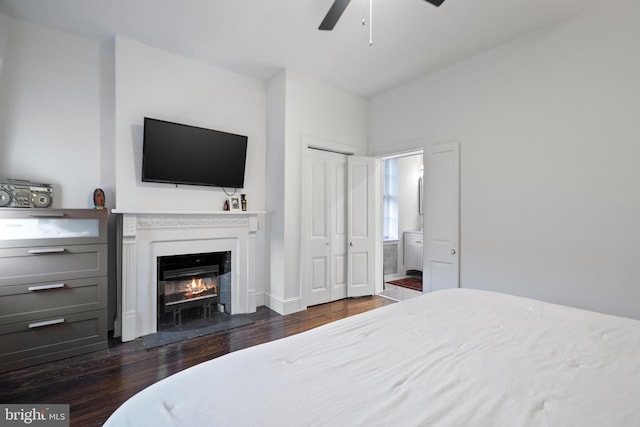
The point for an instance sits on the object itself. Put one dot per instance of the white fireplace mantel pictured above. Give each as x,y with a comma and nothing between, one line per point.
148,235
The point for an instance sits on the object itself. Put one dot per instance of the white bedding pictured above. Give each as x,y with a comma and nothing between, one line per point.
457,357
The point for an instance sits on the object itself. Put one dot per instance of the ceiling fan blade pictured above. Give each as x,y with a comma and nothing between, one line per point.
436,2
335,12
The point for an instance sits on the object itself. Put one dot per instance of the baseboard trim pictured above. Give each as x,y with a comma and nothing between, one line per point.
280,306
260,298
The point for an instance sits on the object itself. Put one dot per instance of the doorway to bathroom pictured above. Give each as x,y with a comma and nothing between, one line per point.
403,222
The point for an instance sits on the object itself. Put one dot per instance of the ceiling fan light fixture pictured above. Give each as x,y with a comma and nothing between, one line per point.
337,9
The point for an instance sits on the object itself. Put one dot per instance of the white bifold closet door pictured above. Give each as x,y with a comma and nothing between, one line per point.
339,227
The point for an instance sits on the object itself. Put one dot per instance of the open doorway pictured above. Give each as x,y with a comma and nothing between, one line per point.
403,222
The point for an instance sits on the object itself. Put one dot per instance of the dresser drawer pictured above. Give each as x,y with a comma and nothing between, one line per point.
46,227
40,264
50,338
21,303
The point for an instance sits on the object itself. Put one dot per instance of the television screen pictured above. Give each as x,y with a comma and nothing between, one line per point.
182,154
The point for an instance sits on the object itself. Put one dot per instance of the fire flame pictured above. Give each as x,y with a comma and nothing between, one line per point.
198,286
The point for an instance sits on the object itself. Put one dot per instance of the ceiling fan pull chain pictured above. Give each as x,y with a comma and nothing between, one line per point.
370,22
364,12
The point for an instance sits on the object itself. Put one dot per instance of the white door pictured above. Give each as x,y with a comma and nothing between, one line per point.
442,214
360,226
326,218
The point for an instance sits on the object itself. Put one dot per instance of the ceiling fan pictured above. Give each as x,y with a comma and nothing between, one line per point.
338,7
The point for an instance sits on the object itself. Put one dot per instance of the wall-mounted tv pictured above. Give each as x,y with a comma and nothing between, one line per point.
181,154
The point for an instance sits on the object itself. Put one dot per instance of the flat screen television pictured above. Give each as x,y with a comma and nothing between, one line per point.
181,154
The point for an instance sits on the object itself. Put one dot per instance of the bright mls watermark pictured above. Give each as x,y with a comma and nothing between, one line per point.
42,415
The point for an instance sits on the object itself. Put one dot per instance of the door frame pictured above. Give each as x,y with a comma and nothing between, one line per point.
380,210
413,147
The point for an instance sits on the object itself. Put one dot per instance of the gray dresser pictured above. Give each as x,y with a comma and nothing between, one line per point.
53,284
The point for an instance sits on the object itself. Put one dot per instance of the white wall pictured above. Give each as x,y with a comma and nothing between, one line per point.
550,142
51,111
162,85
328,116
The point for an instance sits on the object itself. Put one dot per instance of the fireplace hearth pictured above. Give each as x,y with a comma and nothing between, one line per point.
190,287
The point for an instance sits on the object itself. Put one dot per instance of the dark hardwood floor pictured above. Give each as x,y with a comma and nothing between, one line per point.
95,384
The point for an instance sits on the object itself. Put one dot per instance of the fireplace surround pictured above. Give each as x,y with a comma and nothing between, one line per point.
147,236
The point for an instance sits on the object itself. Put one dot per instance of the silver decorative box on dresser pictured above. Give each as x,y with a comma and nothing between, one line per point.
53,284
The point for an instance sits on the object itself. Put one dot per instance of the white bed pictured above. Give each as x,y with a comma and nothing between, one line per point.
451,358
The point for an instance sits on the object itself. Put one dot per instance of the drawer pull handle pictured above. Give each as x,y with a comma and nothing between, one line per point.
47,215
46,323
45,251
45,287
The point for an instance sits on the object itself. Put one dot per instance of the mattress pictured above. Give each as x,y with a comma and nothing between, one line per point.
457,357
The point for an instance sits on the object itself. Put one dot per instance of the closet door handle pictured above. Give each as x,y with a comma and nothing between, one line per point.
453,251
46,323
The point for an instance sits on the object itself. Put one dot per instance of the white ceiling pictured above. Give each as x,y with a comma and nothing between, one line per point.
259,38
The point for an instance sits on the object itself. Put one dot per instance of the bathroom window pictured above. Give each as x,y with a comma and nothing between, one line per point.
390,199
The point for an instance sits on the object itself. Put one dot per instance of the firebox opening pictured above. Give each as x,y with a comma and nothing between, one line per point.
191,288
